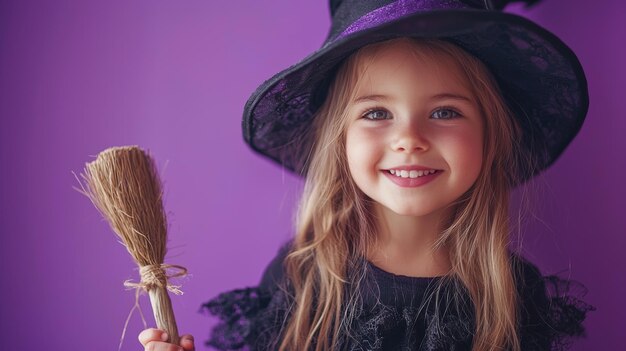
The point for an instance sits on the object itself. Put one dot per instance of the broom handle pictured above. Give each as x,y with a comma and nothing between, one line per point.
163,313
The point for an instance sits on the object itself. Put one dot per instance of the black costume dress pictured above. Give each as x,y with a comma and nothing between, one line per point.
392,315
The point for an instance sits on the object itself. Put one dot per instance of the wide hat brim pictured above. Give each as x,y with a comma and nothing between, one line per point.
540,78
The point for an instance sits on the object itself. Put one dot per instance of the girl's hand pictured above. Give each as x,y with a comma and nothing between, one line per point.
154,340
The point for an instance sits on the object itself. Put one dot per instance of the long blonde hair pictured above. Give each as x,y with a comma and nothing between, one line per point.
335,223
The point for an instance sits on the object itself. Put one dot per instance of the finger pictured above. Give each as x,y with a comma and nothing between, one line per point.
186,341
151,334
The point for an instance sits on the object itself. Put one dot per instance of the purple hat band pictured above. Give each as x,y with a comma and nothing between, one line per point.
398,9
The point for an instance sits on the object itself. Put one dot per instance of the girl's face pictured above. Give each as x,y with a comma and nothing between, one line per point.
413,113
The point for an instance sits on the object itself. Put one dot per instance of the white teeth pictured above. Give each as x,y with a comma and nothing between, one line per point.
411,174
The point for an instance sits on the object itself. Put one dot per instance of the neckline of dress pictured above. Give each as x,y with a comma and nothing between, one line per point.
381,273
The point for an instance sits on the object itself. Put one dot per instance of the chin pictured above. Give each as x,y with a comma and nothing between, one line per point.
413,211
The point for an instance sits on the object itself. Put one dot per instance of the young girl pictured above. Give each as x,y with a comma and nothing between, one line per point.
411,124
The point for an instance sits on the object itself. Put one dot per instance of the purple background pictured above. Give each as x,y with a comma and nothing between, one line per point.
77,77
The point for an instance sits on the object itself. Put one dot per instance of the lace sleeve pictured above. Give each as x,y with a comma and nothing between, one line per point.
553,311
237,311
566,311
251,318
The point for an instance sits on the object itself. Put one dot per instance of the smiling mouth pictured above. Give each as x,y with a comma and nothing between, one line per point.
412,173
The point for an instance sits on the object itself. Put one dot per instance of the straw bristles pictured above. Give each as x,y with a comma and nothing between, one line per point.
123,184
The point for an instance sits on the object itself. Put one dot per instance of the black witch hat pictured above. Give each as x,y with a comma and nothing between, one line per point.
540,78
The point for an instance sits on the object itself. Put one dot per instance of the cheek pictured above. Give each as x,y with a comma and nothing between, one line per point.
363,154
360,146
467,154
473,156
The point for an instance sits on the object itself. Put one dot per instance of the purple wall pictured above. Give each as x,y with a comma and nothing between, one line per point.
77,77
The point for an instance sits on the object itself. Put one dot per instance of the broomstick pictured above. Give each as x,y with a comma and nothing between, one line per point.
123,184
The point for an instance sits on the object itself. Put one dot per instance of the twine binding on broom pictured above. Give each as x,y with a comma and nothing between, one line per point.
155,276
152,276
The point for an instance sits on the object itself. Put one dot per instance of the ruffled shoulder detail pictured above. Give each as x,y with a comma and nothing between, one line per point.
566,311
251,318
553,311
237,311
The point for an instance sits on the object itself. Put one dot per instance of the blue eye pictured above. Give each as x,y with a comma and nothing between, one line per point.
376,115
445,113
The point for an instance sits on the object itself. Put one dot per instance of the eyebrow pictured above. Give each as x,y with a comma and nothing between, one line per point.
378,97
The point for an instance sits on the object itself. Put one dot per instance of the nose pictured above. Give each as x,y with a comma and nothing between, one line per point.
409,137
